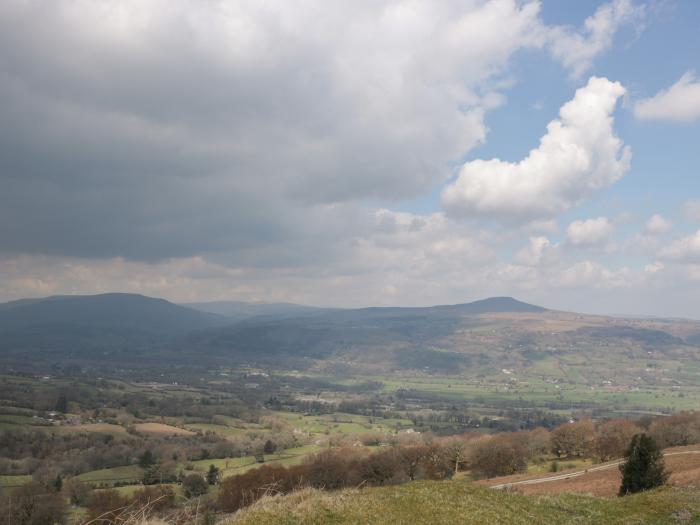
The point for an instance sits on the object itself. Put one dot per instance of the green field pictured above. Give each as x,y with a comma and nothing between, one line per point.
222,430
129,473
235,466
128,490
8,482
341,423
529,387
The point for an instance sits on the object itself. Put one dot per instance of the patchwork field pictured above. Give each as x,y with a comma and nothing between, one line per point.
161,429
221,430
341,423
9,482
99,428
109,476
562,386
235,466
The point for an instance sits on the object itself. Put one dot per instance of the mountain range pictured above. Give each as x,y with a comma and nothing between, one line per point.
477,337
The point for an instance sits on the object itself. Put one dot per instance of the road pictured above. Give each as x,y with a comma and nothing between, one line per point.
578,473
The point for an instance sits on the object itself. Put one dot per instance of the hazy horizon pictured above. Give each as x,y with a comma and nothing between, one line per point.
334,306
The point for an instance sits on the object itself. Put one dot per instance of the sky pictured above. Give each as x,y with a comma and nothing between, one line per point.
353,153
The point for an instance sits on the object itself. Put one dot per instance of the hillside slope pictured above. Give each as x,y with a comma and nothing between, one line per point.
451,502
94,325
138,312
378,337
478,339
497,338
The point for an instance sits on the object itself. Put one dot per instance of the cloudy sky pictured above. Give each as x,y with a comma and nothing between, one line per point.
379,152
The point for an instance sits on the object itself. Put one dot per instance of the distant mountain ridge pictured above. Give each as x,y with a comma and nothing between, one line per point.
243,310
128,311
406,335
480,337
496,304
239,310
131,326
489,305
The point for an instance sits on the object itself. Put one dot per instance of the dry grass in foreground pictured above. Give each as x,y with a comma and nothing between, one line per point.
464,503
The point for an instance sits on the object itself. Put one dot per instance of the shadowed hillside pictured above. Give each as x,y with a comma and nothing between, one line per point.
388,336
94,326
475,340
131,311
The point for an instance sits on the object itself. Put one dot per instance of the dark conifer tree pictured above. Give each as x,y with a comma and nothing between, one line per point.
58,483
147,459
62,404
643,468
269,447
213,475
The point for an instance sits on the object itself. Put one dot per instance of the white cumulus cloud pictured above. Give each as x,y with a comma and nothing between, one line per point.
577,49
578,155
536,252
657,225
589,232
684,250
680,102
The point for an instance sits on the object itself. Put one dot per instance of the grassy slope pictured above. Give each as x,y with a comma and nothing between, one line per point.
464,503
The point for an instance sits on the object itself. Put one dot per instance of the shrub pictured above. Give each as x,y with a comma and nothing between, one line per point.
332,469
237,492
573,439
33,504
433,462
79,492
613,437
160,473
502,455
537,442
156,499
194,485
679,429
107,505
379,469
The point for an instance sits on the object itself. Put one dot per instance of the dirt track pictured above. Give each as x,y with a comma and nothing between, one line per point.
591,476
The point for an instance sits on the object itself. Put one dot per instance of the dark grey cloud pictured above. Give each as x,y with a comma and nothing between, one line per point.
200,149
150,129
